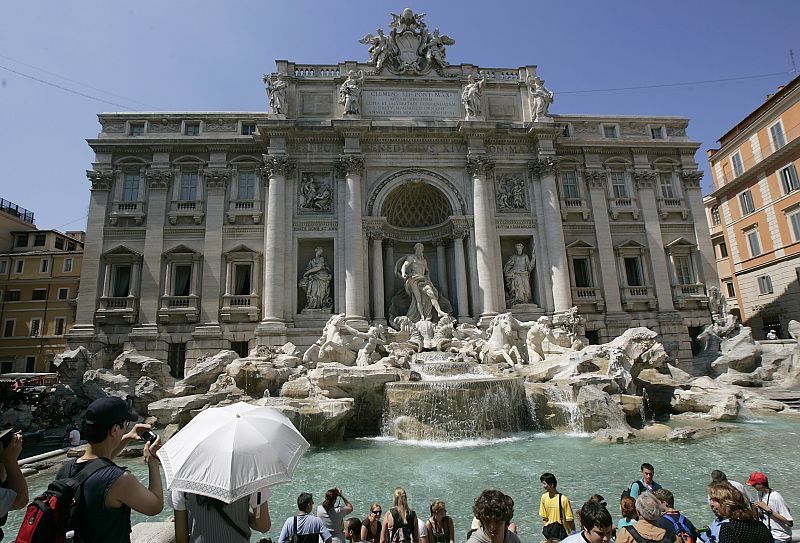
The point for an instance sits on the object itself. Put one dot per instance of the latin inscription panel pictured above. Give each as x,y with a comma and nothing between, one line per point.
411,103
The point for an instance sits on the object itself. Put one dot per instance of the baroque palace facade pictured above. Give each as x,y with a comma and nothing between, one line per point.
239,229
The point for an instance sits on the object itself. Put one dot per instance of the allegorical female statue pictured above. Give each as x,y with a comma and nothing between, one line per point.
517,272
316,282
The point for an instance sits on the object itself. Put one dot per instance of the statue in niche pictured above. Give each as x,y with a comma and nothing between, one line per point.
436,44
541,98
315,194
471,96
277,94
350,92
517,272
418,285
316,282
510,193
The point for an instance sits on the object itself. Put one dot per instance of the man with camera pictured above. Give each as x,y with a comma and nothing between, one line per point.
109,494
14,488
771,508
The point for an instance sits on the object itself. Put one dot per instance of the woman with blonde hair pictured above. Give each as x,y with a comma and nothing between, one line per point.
743,526
371,526
440,525
400,522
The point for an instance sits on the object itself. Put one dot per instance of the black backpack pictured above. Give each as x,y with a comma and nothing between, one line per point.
402,533
627,491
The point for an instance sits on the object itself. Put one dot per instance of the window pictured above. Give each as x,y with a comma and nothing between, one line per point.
39,239
30,364
583,272
610,131
657,132
665,182
192,129
120,281
633,271
6,366
44,265
8,328
63,293
246,189
715,219
59,243
136,129
753,242
13,295
241,348
248,129
746,202
241,279
21,240
736,162
130,187
730,289
59,325
569,185
684,272
36,327
188,186
721,250
176,358
778,137
68,264
794,221
765,284
3,266
39,294
618,186
182,283
789,180
19,266
71,246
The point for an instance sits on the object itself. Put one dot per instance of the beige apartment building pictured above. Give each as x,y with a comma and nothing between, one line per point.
39,277
754,213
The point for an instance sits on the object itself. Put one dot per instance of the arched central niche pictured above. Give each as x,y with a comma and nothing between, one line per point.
416,204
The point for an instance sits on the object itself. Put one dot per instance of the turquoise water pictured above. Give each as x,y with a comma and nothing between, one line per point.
368,470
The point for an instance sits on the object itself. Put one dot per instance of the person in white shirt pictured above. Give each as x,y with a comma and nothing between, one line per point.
772,509
596,524
74,437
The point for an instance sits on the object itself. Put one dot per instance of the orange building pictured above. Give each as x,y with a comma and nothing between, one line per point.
754,213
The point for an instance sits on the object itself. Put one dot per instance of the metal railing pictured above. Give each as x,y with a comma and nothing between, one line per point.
17,211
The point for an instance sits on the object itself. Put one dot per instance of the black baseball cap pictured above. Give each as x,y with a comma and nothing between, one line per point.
108,411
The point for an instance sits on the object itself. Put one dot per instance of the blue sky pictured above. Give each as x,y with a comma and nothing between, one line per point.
210,56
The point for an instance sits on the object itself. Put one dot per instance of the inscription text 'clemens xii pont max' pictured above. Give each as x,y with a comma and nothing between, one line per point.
411,103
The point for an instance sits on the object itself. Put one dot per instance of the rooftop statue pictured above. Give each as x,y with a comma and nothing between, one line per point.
471,97
277,94
350,92
409,49
541,98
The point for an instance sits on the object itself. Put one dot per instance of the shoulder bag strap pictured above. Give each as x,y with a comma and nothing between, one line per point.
295,537
220,507
635,535
559,511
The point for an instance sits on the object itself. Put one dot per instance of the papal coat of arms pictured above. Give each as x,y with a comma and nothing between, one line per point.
409,48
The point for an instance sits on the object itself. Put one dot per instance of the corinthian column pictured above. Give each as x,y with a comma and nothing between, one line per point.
545,168
459,233
351,165
276,168
101,181
486,242
378,313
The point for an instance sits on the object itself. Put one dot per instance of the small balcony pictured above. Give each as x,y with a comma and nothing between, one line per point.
623,205
588,296
244,208
238,308
666,206
186,208
574,205
638,295
123,209
179,309
686,295
118,309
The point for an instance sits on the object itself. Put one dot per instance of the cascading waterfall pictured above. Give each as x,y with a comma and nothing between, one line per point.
450,406
564,398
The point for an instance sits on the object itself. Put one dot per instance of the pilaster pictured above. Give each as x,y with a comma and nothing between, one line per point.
694,198
644,180
596,183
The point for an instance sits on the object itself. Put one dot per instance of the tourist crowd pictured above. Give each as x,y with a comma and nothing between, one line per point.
749,513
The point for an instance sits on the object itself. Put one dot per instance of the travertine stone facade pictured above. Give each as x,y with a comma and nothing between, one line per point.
202,224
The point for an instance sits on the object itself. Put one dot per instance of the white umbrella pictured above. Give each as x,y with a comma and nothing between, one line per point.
232,451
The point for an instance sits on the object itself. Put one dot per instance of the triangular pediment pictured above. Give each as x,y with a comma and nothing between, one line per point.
241,249
580,244
680,242
123,250
630,244
181,250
